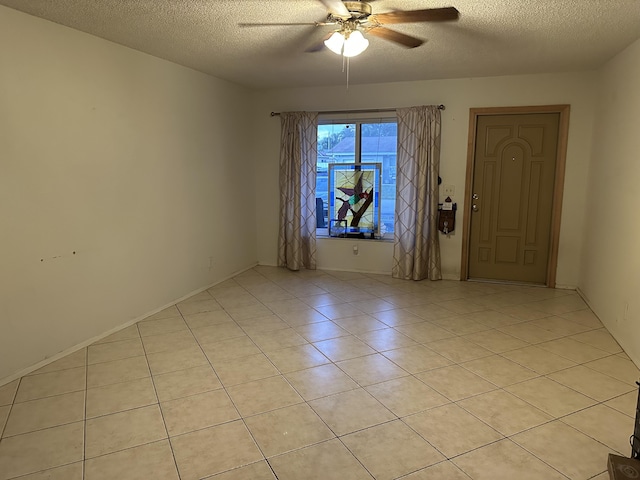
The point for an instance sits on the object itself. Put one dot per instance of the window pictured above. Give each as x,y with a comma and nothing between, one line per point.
367,142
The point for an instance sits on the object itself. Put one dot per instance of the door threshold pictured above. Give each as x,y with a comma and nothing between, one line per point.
507,282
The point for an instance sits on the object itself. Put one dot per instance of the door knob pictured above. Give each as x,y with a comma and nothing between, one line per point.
474,207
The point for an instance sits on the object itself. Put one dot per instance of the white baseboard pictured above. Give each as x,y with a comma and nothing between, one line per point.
451,276
621,342
86,343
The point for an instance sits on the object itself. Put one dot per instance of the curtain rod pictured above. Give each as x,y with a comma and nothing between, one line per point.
333,112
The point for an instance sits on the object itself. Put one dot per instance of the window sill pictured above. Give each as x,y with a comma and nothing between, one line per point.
388,238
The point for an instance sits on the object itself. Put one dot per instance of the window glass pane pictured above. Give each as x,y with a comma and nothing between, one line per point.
379,144
336,144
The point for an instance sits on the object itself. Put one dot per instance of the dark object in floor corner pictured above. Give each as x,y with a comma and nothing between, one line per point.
623,468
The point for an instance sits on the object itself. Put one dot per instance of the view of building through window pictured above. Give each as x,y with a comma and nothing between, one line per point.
363,141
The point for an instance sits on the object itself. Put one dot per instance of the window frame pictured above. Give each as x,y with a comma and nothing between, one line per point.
358,119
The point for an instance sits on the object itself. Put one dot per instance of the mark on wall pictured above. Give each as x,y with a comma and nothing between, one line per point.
56,257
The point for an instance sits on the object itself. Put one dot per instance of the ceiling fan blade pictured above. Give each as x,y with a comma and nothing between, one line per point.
396,37
336,8
313,24
319,46
429,15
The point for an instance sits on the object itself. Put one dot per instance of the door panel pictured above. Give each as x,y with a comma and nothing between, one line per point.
513,187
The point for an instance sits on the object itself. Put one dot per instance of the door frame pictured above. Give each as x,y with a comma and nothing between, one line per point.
558,187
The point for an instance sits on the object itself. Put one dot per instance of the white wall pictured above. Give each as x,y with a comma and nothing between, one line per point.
458,96
137,165
611,277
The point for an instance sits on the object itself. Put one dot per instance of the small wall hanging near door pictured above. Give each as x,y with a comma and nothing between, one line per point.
447,216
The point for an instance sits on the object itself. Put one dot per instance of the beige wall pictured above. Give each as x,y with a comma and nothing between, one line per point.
458,96
611,276
131,162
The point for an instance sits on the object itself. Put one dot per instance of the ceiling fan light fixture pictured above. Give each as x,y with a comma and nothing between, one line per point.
355,44
347,43
335,42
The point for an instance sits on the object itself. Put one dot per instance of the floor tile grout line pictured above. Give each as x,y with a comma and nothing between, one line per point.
616,397
164,422
84,423
440,451
554,418
538,458
545,376
581,365
542,460
11,405
354,455
590,436
102,455
224,388
443,461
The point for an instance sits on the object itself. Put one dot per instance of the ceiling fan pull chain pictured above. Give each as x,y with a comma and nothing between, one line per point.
348,64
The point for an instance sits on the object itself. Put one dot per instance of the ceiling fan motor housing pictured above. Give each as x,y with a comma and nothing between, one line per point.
358,10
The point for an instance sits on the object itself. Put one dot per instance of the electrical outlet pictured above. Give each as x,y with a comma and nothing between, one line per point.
449,190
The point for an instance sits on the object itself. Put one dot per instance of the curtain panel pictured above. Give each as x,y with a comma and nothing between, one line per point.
416,252
298,158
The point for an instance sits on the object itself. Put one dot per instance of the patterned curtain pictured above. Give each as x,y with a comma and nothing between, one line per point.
416,251
298,157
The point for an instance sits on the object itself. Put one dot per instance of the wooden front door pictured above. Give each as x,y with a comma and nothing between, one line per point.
511,204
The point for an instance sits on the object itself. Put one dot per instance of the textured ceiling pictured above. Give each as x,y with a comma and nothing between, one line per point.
492,37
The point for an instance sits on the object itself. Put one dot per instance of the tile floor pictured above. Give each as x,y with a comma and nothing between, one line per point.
330,375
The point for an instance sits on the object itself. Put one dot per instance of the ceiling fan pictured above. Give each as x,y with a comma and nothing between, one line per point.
352,18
